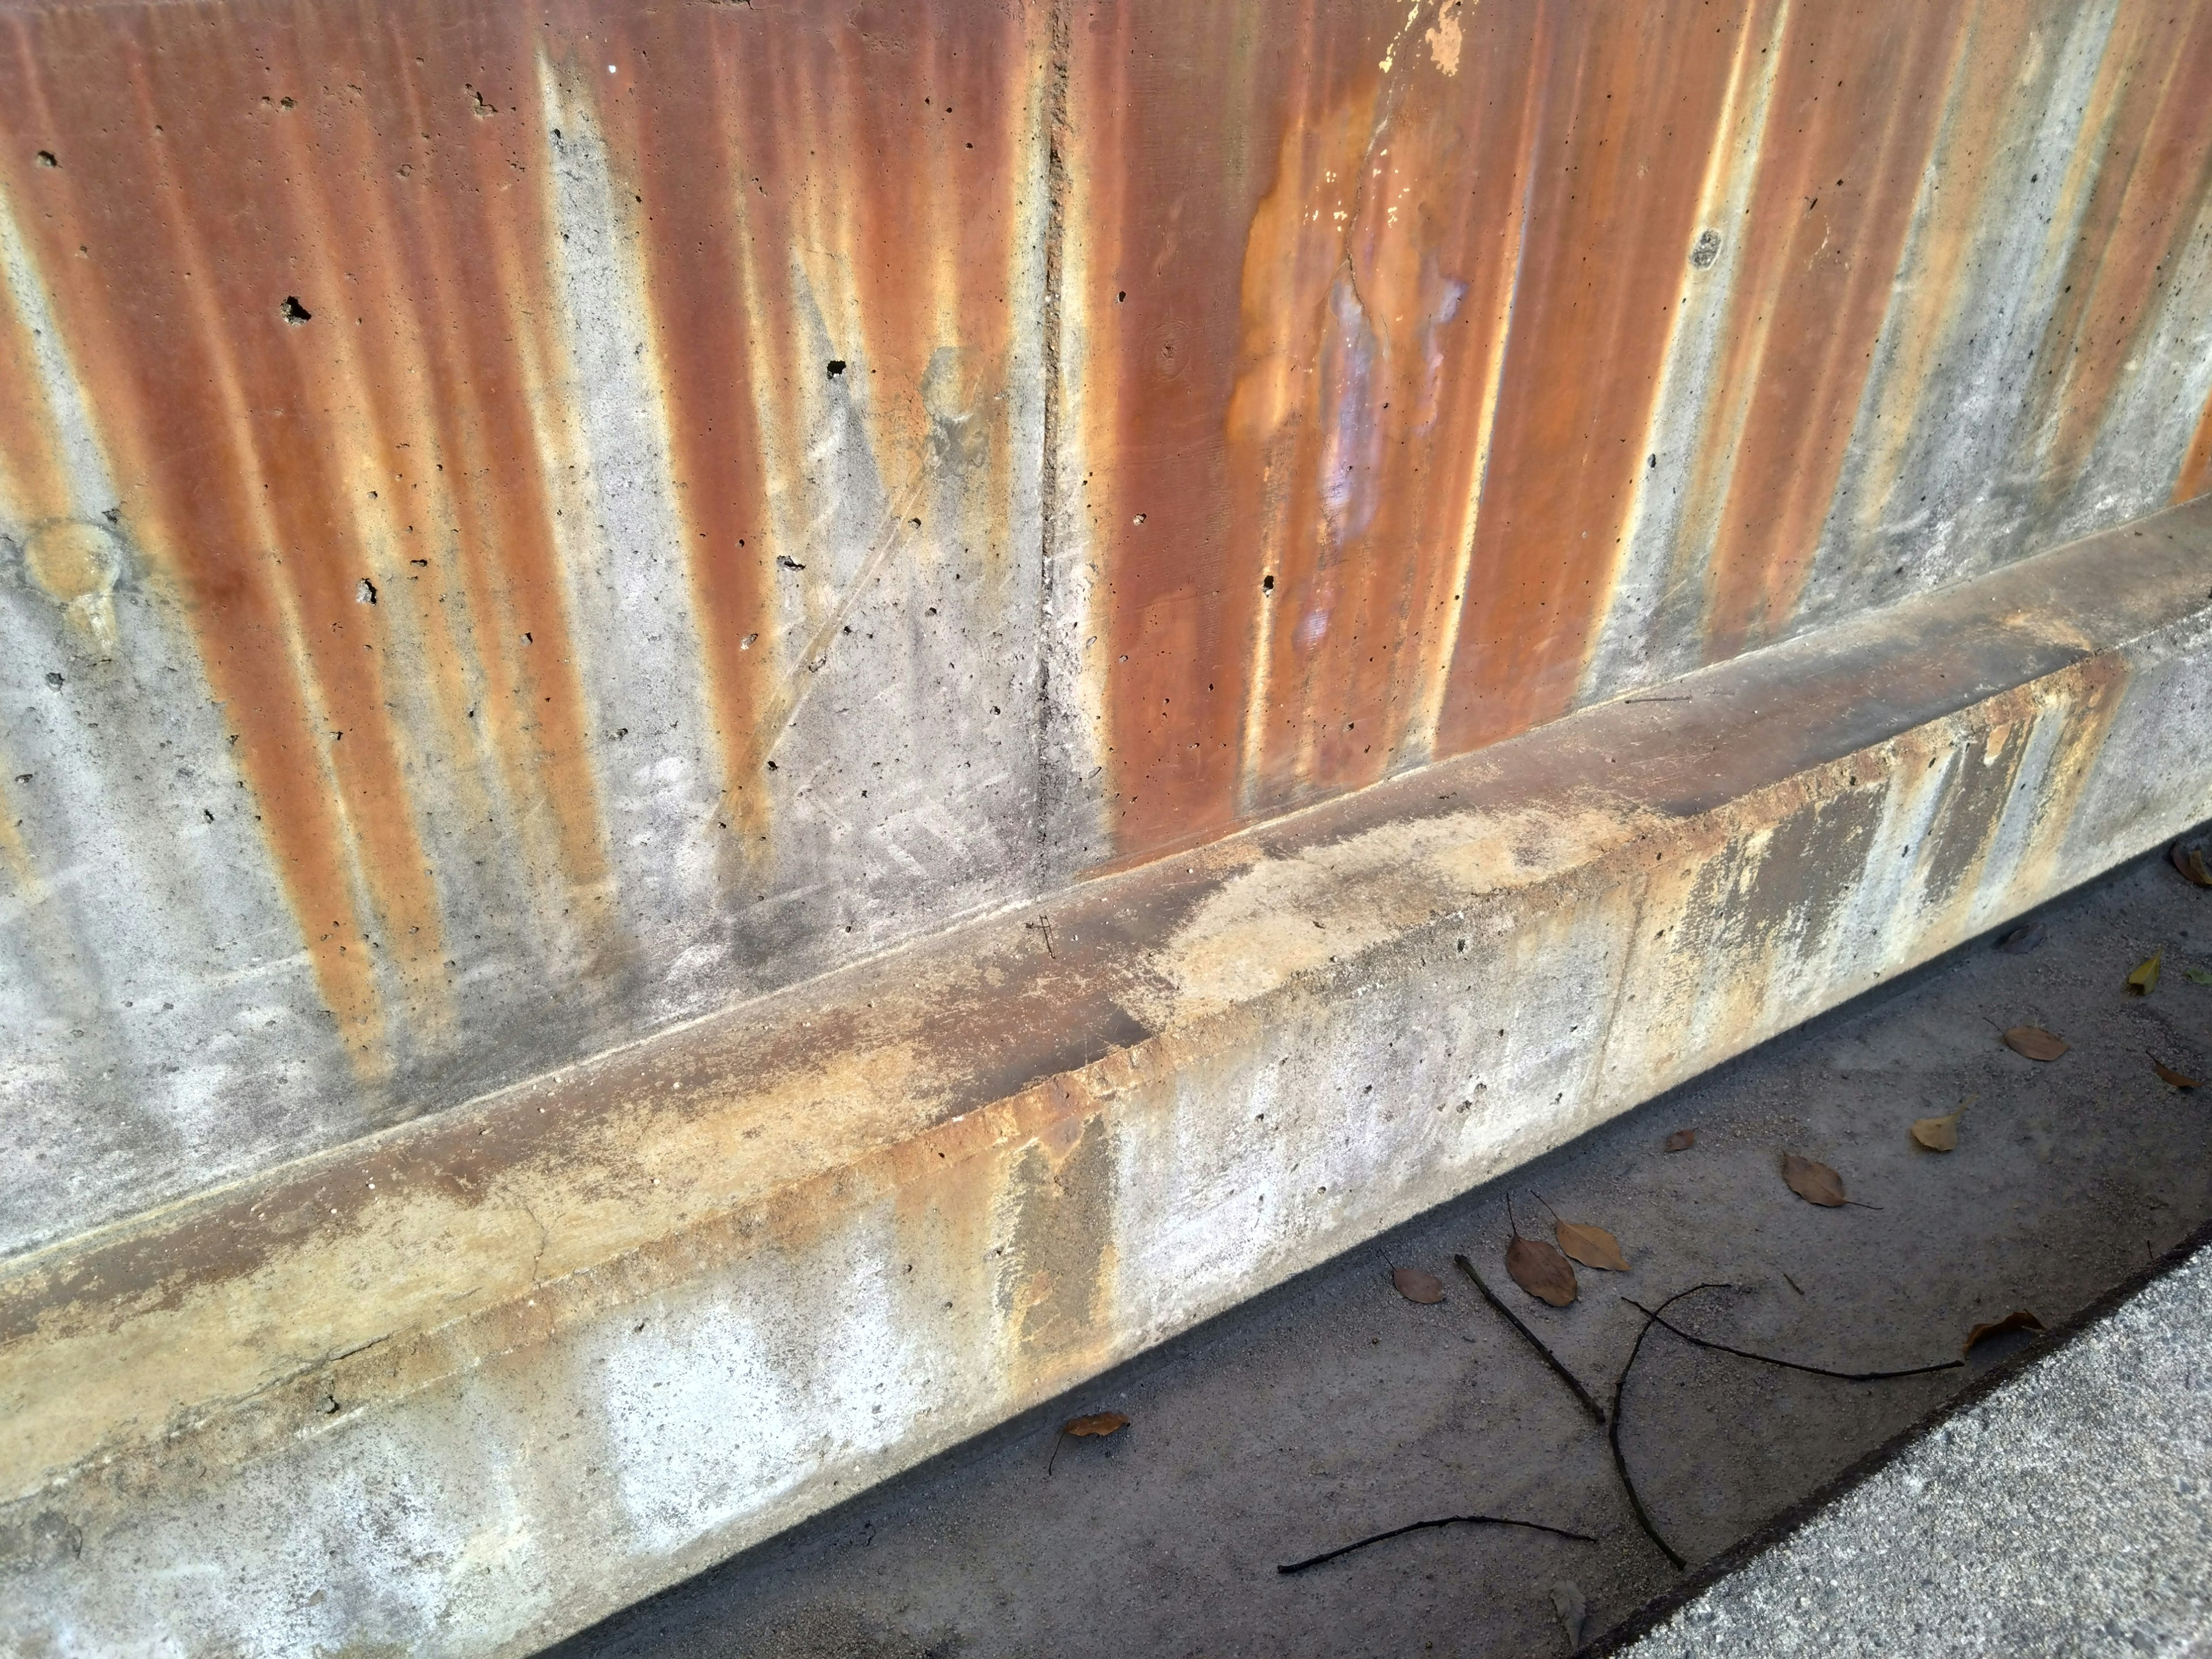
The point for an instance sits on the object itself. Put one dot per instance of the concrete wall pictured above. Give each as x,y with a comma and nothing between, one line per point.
733,734
1238,405
464,1386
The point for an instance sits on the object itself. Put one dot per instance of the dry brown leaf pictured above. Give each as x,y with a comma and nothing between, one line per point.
1938,1134
2035,1042
1593,1247
1098,1423
1816,1183
2168,1074
2190,861
1540,1270
1681,1140
2018,1320
1417,1286
2144,980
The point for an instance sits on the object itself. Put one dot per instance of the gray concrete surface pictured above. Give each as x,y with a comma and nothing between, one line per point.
1332,1407
2065,1512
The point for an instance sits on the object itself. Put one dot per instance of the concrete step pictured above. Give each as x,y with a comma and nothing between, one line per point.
1333,1408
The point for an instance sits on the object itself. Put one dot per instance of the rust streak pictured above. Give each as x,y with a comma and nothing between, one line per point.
1856,111
2195,475
2155,87
1631,113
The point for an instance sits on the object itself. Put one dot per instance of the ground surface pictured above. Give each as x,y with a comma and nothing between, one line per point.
1334,1407
2065,1511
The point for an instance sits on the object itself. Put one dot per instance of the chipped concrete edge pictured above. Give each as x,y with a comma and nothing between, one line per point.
545,1356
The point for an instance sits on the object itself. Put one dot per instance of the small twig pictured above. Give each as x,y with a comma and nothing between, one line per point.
1547,1203
1058,1441
1596,1412
1790,1365
1441,1521
1793,1283
1657,700
1620,1461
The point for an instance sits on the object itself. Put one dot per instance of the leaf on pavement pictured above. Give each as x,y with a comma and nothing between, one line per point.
1593,1247
2018,1320
1681,1140
2168,1074
1816,1183
2035,1042
2144,980
1417,1286
1938,1134
1574,1612
1540,1270
2021,941
2190,861
2198,975
1098,1423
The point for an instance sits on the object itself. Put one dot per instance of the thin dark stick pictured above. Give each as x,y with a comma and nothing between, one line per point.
1441,1521
1790,1365
1596,1412
1657,700
1055,1458
1547,1203
1620,1461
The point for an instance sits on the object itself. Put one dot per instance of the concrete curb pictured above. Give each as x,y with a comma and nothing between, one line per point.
469,1385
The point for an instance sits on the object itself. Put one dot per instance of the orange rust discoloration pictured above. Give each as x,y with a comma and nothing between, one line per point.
308,280
1389,535
33,485
814,181
1375,279
670,123
664,1159
1856,107
1629,114
263,154
1175,616
1989,90
2195,475
2151,121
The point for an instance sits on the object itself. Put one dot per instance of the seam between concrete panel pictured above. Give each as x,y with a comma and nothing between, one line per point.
1049,503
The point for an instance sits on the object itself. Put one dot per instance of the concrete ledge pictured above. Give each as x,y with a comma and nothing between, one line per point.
465,1386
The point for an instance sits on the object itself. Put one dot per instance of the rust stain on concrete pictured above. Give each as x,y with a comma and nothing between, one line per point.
1420,419
393,382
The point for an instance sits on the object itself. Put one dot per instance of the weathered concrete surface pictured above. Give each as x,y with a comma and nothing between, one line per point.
2067,1511
1330,1407
822,471
544,1354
